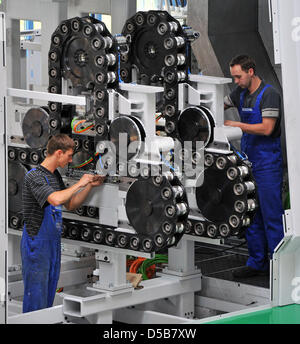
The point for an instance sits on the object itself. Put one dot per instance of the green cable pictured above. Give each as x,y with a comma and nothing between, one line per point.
159,258
72,123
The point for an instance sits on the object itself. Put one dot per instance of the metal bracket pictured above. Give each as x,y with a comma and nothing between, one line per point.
274,14
24,45
287,223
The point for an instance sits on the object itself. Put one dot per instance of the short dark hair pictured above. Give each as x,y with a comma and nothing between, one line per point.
60,141
246,62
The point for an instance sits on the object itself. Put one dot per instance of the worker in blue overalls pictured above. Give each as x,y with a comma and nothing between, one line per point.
259,106
43,195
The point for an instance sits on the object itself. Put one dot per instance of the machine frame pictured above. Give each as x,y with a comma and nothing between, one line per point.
181,280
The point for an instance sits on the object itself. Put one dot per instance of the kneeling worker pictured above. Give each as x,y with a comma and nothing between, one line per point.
44,193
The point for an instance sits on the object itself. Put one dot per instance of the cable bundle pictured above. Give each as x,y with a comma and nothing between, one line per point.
145,266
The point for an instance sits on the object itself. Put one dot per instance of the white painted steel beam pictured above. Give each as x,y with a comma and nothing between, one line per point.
51,97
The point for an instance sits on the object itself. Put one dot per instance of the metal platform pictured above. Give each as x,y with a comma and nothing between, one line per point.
217,263
221,293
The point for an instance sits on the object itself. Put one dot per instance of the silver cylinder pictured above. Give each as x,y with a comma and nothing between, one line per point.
180,41
169,175
173,26
179,227
111,77
244,171
250,187
181,209
178,191
99,27
107,42
181,76
180,59
232,158
111,59
246,221
251,204
171,241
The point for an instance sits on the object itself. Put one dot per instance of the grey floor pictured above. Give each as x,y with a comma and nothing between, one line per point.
215,263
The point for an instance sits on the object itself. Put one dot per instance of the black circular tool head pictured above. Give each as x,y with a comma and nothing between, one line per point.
16,173
36,129
77,59
152,36
148,49
194,125
132,132
215,197
145,207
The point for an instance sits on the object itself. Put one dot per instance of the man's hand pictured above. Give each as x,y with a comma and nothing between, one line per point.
98,180
231,123
85,180
266,127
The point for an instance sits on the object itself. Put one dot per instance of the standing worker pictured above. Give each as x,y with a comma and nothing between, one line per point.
259,106
44,193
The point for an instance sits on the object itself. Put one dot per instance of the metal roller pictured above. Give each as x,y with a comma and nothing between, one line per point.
122,240
86,234
194,125
156,209
36,127
199,228
87,49
132,132
16,174
227,196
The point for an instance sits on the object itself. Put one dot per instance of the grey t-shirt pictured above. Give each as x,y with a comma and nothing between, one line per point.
36,190
270,104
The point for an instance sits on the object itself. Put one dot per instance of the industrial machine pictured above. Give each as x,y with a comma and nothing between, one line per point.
140,117
116,134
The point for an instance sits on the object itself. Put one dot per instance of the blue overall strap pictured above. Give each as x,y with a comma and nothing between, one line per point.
33,169
242,98
259,97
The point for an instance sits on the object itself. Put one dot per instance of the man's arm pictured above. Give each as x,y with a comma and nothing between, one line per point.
77,199
64,196
264,128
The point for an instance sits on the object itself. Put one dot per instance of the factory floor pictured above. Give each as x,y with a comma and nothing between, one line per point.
219,262
216,263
